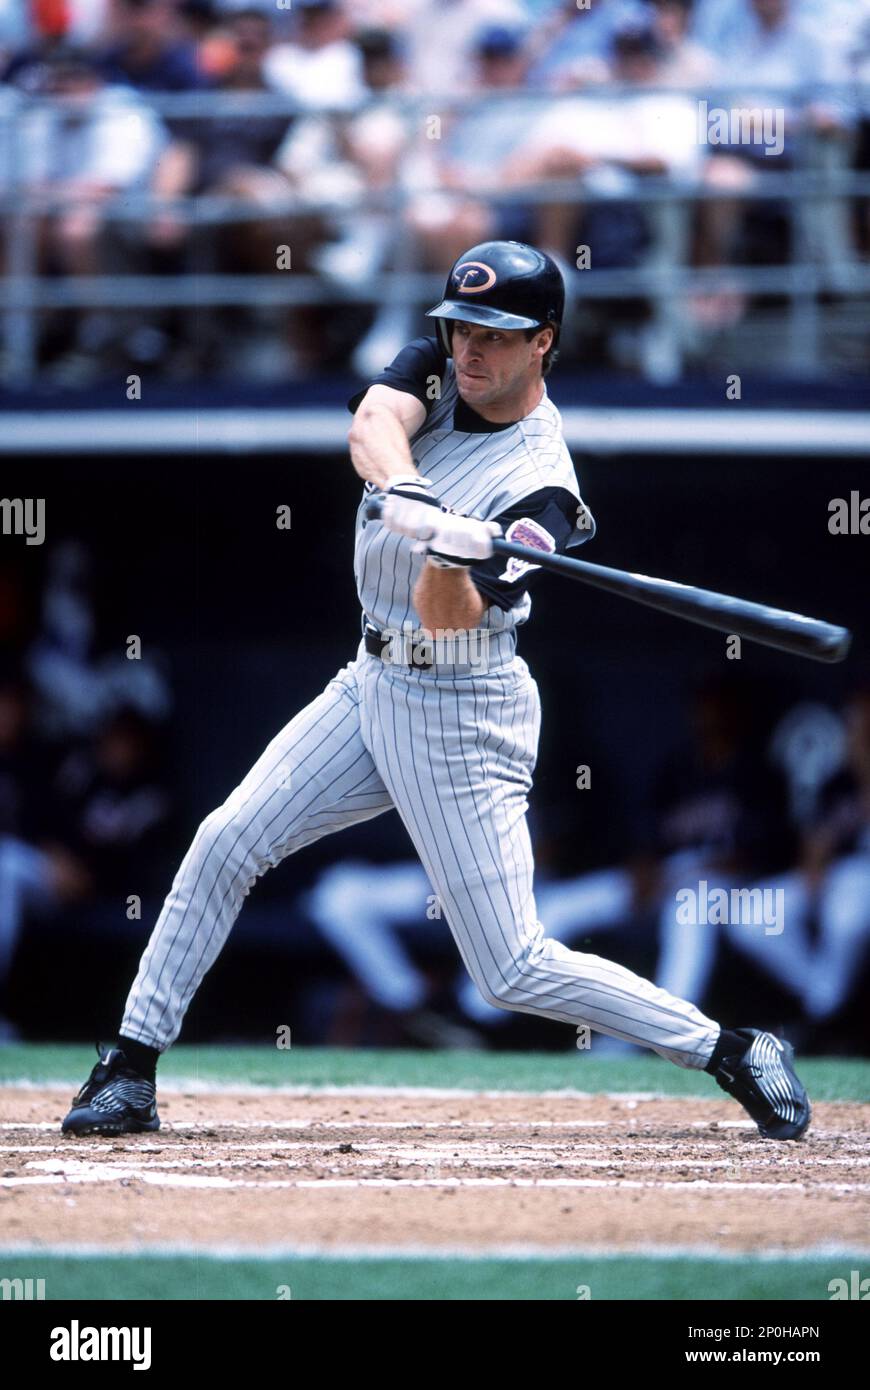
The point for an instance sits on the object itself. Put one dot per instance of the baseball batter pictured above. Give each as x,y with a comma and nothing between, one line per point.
437,715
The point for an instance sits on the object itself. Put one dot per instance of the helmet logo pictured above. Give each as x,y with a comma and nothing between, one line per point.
473,277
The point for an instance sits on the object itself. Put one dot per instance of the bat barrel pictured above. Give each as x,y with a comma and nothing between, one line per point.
758,622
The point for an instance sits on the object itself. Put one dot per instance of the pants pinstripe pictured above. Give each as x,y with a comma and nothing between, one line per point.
454,756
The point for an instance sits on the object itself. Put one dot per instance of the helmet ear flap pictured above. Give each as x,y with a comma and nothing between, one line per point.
444,333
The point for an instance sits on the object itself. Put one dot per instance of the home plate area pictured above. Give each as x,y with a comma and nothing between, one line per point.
414,1169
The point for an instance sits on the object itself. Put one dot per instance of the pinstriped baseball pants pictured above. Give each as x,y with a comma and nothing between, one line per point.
454,755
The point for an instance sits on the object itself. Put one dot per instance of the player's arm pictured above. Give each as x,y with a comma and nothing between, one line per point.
384,422
447,598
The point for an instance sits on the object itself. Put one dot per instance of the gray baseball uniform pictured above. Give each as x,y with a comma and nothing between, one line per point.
451,746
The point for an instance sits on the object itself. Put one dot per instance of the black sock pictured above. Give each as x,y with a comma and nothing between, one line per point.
727,1045
141,1058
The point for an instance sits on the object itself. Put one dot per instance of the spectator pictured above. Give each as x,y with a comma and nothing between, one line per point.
227,153
572,46
334,161
607,143
234,155
201,24
148,55
320,67
74,160
441,38
772,51
683,62
466,165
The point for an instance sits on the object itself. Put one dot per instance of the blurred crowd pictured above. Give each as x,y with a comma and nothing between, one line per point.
410,131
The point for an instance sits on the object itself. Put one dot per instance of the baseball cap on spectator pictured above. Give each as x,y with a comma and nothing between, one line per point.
198,11
498,41
376,44
636,40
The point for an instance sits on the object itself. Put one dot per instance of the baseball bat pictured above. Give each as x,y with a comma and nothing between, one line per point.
758,622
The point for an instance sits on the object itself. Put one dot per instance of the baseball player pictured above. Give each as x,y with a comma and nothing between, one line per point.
436,715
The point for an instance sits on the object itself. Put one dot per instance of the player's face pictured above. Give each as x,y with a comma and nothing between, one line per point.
496,367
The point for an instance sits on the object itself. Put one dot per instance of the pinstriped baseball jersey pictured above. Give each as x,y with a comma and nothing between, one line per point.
494,473
451,750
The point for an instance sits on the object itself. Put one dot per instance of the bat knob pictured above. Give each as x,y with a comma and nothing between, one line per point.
374,507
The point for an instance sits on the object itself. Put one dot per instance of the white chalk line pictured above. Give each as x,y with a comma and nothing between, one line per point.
112,1173
351,1123
376,1156
202,1130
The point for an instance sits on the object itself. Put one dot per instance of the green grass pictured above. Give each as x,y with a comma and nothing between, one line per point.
438,1279
834,1078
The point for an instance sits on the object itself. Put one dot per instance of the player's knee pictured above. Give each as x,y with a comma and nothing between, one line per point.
223,823
504,991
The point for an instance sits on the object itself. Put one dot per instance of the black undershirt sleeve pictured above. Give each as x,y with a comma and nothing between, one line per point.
412,371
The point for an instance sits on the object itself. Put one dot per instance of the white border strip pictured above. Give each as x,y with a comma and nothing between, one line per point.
734,430
197,1087
174,1249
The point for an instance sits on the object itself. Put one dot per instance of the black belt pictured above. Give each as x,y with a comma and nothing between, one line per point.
385,647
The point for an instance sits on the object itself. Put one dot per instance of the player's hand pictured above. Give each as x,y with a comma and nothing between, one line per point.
409,507
460,541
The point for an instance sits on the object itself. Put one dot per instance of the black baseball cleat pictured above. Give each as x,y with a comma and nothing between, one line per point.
114,1100
763,1079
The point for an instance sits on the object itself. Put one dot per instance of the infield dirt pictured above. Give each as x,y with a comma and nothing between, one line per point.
404,1171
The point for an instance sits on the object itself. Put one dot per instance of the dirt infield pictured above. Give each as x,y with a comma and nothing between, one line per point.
400,1170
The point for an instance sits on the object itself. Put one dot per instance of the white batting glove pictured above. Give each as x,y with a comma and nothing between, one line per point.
408,505
460,541
408,516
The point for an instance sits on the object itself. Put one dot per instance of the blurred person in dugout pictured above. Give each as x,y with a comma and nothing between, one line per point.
717,812
73,162
821,952
78,827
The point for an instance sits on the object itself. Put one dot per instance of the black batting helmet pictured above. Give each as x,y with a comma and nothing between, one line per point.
502,284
